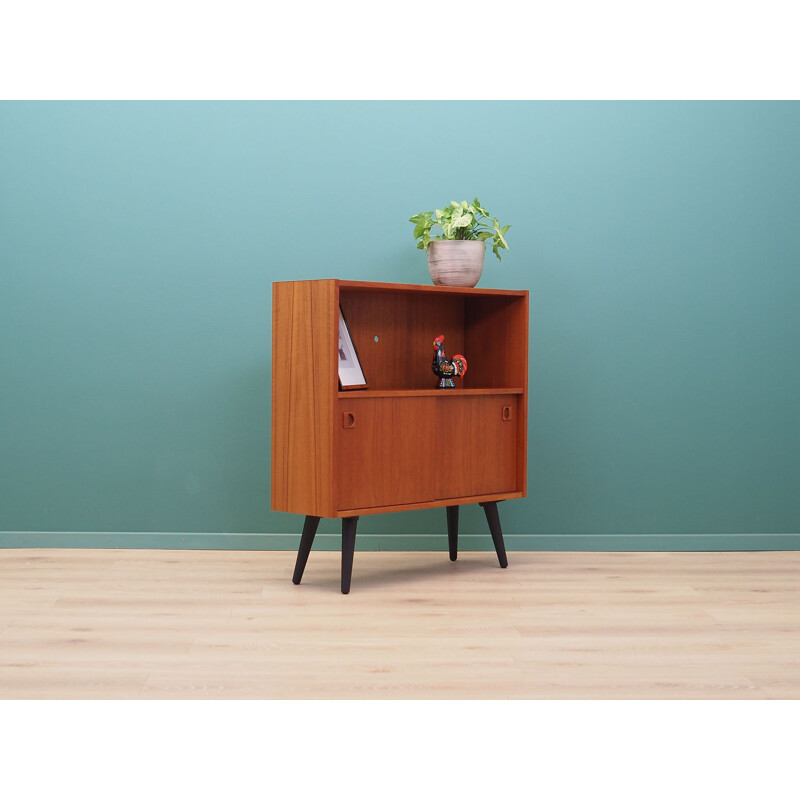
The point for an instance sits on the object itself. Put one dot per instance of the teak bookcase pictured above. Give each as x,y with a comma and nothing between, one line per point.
401,443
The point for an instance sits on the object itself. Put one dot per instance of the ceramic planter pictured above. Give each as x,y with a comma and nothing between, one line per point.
456,262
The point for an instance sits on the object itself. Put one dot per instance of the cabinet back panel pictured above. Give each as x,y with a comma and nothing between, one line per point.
406,325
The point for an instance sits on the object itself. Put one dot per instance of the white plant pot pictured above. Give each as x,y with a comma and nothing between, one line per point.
454,262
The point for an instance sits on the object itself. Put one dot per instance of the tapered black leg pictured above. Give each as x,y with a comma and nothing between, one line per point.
306,540
493,518
348,548
452,531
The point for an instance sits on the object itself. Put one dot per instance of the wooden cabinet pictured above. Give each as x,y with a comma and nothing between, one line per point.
401,443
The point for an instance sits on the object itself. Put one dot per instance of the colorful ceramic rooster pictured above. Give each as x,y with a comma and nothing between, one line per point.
444,369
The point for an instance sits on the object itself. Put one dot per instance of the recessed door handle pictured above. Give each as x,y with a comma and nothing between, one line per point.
506,413
348,419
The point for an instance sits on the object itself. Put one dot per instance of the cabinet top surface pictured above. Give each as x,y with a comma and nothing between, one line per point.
413,288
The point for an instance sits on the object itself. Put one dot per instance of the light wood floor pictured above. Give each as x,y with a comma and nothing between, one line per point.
221,624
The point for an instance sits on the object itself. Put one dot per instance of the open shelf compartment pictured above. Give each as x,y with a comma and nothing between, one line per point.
393,328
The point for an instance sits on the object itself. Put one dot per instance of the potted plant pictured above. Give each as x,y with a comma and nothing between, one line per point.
455,256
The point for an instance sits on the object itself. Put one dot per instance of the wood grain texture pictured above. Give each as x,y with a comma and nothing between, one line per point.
406,325
438,503
404,442
304,388
420,449
424,288
432,392
496,341
499,324
227,624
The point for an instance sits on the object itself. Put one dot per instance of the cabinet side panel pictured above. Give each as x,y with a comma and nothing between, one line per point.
304,390
522,325
281,360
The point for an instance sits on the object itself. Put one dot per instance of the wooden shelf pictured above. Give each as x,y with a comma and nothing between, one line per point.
453,501
365,393
426,288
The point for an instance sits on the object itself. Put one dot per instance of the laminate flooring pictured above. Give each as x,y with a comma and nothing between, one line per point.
140,624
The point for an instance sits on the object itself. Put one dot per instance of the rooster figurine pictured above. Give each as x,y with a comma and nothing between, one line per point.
444,369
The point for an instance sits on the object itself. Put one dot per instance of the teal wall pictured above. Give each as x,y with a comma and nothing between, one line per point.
660,243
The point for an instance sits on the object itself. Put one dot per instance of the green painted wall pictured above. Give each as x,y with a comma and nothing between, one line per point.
660,242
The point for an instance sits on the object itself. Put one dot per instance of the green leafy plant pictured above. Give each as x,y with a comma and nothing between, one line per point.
465,221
